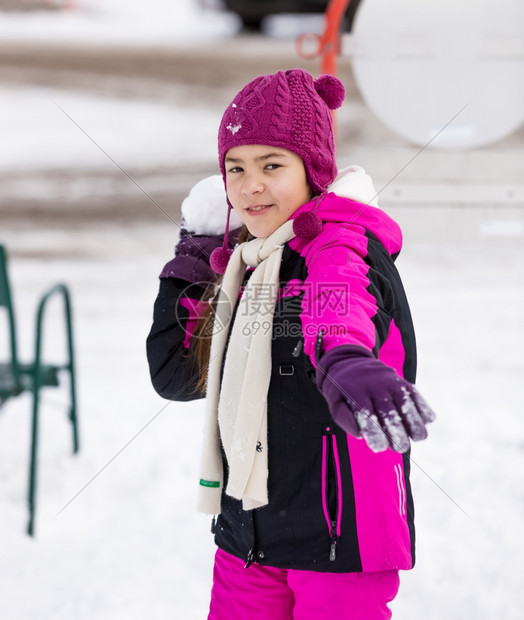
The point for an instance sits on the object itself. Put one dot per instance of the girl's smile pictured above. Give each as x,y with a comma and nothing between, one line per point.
256,209
265,185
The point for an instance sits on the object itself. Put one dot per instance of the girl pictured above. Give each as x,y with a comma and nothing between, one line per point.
309,354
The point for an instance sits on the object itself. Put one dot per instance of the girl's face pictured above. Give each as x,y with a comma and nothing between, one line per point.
265,186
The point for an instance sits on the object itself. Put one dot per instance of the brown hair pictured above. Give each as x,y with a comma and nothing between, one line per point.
201,345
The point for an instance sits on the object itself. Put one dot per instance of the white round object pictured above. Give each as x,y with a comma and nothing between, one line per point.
449,72
205,209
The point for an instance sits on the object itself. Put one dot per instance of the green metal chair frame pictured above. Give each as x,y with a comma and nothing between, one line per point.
16,378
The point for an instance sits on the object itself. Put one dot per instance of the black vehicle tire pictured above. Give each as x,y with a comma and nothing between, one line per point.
253,24
350,15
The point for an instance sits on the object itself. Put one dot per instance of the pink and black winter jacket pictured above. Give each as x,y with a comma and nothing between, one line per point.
334,505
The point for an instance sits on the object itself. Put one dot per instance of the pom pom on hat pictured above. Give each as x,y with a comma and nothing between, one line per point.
331,90
307,225
219,259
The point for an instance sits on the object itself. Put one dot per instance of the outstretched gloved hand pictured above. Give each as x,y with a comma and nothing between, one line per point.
204,213
368,398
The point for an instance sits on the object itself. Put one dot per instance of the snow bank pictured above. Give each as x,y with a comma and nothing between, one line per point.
120,22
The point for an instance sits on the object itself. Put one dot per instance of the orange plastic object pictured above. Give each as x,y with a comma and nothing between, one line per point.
327,45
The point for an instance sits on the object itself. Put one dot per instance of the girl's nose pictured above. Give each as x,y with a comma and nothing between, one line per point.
253,183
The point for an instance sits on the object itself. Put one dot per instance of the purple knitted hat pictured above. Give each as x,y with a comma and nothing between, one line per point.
290,110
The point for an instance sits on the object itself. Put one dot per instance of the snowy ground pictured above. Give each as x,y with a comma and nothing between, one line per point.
117,535
130,544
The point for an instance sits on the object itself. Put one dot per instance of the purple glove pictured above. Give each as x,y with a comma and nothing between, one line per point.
368,398
192,252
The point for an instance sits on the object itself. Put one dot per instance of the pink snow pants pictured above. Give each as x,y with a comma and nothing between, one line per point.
265,593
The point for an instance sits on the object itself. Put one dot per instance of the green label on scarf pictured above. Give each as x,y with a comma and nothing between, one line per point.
214,484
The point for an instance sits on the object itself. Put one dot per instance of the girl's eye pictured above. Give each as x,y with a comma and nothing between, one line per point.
235,169
273,166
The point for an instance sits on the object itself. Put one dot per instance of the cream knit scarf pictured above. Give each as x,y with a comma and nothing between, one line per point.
236,407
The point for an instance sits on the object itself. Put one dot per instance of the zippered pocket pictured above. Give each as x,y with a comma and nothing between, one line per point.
331,489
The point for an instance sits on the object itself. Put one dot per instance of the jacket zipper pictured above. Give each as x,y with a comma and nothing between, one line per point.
318,345
332,513
250,558
334,539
